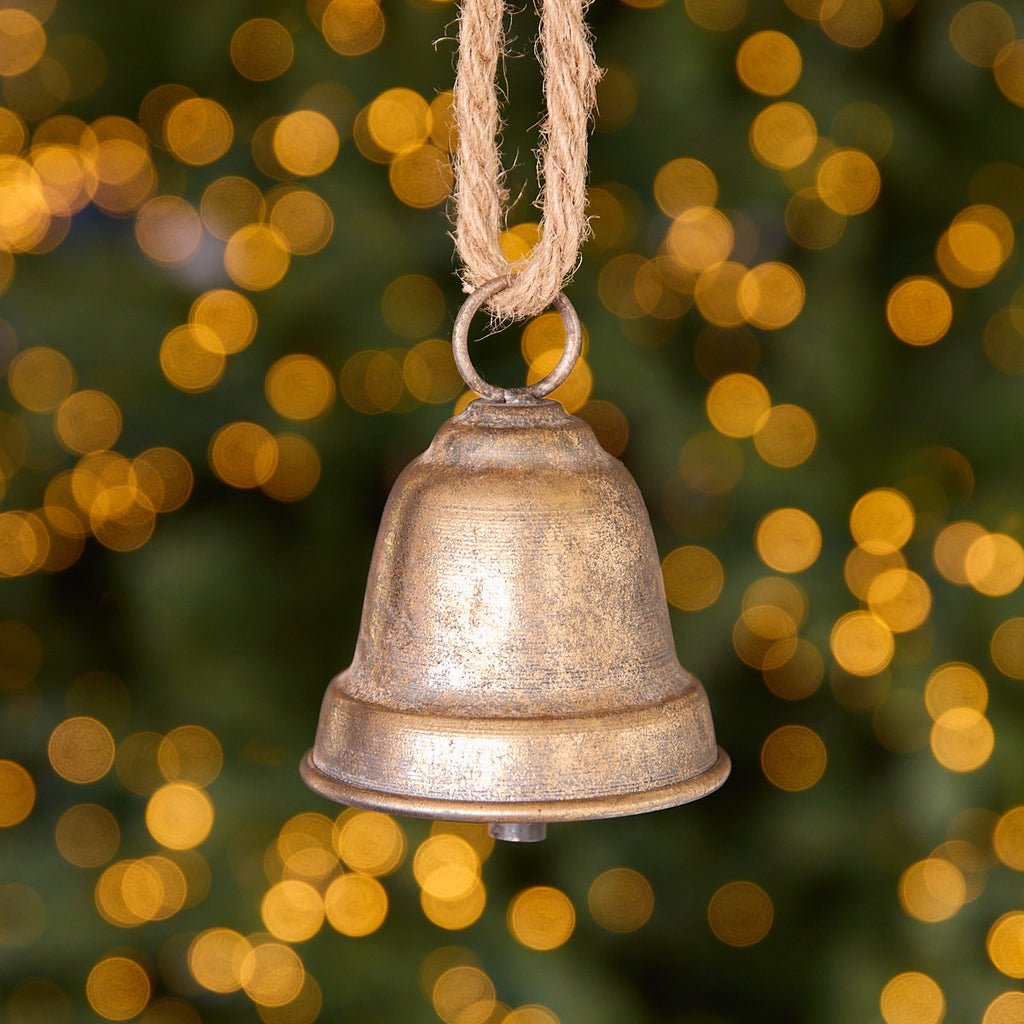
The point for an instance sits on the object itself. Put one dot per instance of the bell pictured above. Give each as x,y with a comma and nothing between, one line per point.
515,662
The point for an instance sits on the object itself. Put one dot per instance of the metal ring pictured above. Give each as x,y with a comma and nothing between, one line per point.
532,392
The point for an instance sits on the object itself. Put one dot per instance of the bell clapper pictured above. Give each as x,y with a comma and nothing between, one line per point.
519,831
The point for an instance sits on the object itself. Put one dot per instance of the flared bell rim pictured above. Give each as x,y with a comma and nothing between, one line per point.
618,805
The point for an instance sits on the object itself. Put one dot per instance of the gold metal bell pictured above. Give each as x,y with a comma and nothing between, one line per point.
515,662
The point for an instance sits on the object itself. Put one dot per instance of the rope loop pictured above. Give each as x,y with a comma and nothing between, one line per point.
570,77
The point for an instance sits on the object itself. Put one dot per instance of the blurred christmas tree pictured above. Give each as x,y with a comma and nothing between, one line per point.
227,289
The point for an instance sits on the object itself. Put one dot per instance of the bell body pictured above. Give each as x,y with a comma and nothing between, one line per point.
515,661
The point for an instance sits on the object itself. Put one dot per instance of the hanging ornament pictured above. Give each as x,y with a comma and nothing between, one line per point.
515,662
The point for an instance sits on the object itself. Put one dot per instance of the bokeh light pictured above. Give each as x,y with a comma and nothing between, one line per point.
740,913
541,917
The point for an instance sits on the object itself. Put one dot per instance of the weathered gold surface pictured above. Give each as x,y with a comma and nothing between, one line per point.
515,661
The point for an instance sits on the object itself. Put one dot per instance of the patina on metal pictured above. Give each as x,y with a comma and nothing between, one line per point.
515,662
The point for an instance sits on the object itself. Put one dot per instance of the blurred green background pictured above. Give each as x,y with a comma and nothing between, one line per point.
227,283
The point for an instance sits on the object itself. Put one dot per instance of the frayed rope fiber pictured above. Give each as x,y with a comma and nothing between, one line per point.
570,80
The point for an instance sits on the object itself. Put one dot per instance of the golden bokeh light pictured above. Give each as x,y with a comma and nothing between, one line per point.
370,842
788,540
24,543
87,835
463,995
161,478
243,455
230,203
399,119
292,910
716,293
980,30
118,988
912,998
40,378
737,405
1005,944
862,643
1007,1008
848,181
421,176
955,685
17,794
764,636
919,310
192,358
272,974
303,849
299,387
372,382
575,391
740,914
87,421
900,598
413,306
541,917
882,520
302,219
179,815
783,135
620,900
531,1013
446,866
683,183
949,552
700,237
769,63
714,15
81,750
693,577
256,257
215,958
190,753
261,49
198,131
297,471
229,315
22,41
793,758
355,904
771,296
1007,648
352,27
455,914
853,23
168,230
962,739
1008,838
787,437
306,143
1003,342
303,1009
430,373
932,890
476,833
799,676
994,564
38,1001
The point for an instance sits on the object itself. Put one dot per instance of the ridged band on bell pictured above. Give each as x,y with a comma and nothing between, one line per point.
515,660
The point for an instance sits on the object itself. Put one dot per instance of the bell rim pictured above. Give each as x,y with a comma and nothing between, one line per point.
617,805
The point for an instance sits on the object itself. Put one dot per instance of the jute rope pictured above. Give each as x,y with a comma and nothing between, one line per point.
570,79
